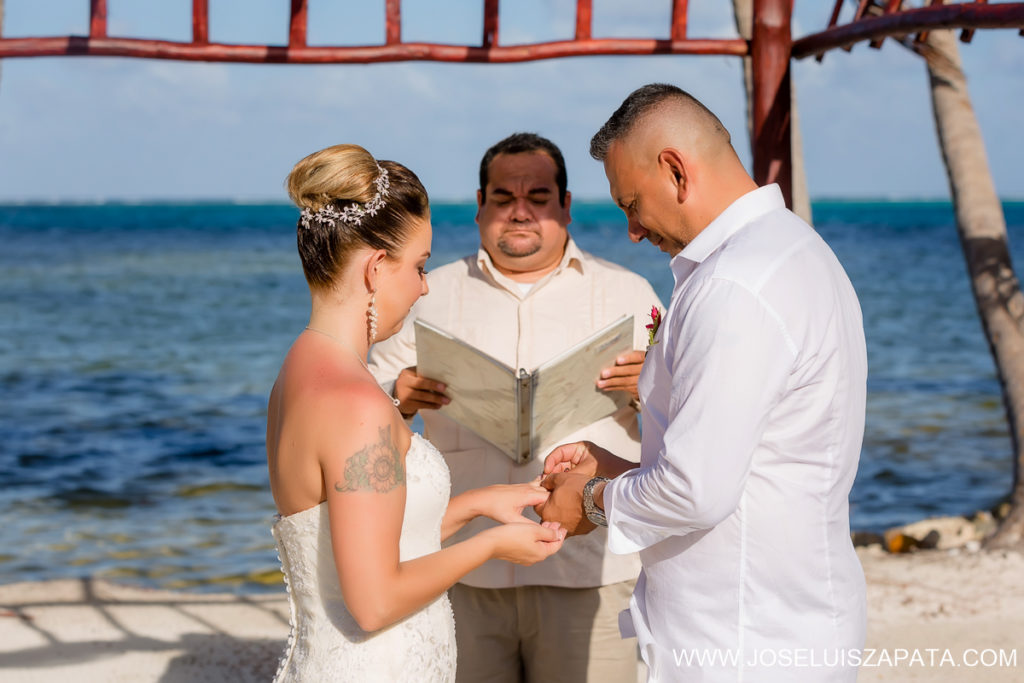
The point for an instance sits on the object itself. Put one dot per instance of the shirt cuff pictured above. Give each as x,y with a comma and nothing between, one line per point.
626,533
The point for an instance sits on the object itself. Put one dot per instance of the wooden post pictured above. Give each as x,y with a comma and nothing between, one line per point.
297,27
490,24
201,21
98,18
771,44
678,20
584,19
393,19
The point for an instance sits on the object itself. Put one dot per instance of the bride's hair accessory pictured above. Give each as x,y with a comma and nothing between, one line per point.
354,212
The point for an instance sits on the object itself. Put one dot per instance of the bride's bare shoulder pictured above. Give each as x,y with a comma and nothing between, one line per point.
364,448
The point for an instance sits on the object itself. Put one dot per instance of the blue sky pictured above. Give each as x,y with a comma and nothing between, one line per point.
88,129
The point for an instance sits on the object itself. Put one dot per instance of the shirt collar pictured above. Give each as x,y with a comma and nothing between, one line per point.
741,212
573,256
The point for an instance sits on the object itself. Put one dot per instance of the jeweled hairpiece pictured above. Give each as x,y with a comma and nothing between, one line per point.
354,212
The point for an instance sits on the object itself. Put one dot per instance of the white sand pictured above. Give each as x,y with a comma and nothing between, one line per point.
942,601
926,604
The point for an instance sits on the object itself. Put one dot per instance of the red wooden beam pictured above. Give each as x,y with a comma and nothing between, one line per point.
393,22
201,21
923,35
490,39
1001,15
835,13
968,33
862,8
218,52
890,7
832,22
678,20
297,25
98,18
584,19
771,41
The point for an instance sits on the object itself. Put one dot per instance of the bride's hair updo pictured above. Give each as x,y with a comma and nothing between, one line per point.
351,200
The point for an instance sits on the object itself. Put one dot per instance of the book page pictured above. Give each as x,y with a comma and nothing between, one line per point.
482,389
565,394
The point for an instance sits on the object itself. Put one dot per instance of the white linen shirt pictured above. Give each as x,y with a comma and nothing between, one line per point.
752,403
473,301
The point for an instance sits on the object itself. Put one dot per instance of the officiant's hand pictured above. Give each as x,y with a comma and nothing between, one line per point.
624,374
565,504
418,393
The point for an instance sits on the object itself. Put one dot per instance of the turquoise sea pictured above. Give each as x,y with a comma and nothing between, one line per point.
138,344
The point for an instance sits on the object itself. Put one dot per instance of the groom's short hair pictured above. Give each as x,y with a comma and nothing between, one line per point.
525,143
643,101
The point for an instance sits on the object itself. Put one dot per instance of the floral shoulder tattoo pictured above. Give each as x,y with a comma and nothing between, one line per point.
377,467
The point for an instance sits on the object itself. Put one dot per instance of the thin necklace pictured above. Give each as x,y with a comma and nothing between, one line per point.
356,354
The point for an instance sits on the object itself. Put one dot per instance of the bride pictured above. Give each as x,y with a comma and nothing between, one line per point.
363,502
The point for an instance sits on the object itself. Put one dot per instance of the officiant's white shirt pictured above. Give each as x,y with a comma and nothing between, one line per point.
753,416
523,328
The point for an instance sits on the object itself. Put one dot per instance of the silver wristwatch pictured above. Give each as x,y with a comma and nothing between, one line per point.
594,513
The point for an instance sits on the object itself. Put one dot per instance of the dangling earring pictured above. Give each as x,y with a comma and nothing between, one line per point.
371,317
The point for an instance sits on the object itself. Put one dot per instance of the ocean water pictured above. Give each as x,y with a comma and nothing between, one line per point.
138,345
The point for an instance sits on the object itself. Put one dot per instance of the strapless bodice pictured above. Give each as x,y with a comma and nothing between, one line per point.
326,643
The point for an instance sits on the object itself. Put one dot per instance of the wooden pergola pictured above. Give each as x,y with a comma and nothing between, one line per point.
771,48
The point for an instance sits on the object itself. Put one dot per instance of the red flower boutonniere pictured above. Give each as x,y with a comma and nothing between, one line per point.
652,328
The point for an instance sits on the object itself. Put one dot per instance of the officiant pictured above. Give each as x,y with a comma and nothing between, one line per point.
528,294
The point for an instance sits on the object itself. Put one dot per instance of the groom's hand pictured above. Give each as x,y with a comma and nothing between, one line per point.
624,374
418,393
578,457
586,457
565,504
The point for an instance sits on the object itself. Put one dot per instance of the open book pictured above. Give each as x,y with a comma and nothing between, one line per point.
519,411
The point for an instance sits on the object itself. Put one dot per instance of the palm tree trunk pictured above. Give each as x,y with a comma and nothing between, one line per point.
982,229
743,11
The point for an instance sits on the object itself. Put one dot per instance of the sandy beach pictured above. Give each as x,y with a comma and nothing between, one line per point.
941,615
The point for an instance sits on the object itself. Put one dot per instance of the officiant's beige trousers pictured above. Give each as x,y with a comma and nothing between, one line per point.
543,634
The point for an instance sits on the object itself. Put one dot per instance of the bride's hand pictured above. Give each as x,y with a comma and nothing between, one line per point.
505,502
526,542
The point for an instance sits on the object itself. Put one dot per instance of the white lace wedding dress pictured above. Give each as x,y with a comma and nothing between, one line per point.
326,643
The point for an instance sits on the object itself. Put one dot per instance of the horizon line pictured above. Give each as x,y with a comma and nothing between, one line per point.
229,201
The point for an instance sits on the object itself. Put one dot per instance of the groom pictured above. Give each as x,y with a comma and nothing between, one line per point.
752,400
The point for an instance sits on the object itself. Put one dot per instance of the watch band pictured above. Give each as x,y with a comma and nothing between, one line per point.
594,513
